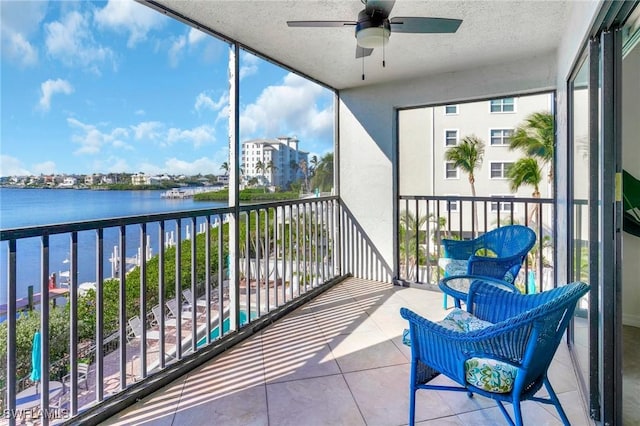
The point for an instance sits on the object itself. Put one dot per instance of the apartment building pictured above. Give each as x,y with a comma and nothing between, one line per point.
426,134
273,162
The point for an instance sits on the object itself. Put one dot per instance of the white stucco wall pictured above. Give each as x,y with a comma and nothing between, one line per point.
631,163
367,134
581,18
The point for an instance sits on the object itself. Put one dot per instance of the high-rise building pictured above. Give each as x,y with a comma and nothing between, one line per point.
272,162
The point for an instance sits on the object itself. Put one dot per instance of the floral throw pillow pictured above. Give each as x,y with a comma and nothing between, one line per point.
458,320
462,321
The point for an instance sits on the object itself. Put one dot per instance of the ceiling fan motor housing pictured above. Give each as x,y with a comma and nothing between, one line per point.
372,30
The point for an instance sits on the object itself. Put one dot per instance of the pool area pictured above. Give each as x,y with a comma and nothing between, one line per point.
215,333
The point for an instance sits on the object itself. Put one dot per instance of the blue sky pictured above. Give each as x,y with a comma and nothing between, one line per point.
118,87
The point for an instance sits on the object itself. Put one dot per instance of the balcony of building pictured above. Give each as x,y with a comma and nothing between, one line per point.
292,310
338,359
283,337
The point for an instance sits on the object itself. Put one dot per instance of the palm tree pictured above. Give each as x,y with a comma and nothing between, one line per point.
271,168
225,167
412,252
314,165
467,156
526,171
535,137
323,176
305,172
261,168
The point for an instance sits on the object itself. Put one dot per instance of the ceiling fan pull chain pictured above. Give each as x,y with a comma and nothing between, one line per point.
383,51
363,68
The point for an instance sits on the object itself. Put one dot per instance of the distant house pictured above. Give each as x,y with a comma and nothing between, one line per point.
69,181
223,179
49,180
142,179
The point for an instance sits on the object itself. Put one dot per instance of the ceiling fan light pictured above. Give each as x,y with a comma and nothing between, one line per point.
373,37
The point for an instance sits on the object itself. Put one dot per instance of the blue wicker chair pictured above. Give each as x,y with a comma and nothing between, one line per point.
505,356
498,253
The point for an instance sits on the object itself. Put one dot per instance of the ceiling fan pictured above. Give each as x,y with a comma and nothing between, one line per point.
374,27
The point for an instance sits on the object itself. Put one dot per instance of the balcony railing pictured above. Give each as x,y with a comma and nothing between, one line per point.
126,268
425,220
282,254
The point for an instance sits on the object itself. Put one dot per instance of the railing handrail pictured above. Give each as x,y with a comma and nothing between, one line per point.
88,225
494,198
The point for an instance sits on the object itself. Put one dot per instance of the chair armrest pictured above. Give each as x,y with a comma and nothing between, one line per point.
446,350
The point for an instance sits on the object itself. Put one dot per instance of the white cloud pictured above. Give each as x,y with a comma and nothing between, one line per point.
248,64
71,41
150,130
288,109
204,101
131,17
196,36
19,21
175,51
140,112
11,166
175,166
112,164
20,50
45,168
198,136
50,88
92,140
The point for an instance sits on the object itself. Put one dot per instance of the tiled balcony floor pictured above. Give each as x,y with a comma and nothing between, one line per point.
337,360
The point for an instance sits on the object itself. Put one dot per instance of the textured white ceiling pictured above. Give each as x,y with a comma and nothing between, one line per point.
492,32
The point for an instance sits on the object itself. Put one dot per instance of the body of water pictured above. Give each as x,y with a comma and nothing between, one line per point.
35,207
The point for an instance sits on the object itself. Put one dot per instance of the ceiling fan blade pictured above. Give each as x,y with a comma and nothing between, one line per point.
320,23
383,6
362,52
424,25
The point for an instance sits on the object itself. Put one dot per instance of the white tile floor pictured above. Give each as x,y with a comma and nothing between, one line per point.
338,360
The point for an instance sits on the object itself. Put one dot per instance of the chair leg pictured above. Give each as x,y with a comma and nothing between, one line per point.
456,302
556,402
444,301
505,414
517,413
412,406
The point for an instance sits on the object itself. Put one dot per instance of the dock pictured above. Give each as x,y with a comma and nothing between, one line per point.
22,304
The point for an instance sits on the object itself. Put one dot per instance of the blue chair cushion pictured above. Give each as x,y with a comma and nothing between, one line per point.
490,375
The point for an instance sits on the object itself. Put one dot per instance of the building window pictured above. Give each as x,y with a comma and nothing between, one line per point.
503,206
503,105
450,171
450,137
499,170
451,109
451,205
501,136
